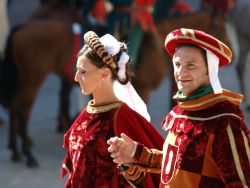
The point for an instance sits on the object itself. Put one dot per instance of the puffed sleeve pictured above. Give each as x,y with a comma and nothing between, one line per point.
147,161
232,154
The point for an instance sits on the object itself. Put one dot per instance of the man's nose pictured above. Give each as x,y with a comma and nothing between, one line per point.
181,70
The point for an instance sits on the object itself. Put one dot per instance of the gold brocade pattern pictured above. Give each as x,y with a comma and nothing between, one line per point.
104,108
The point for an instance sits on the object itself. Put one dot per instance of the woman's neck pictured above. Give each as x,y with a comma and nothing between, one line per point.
106,96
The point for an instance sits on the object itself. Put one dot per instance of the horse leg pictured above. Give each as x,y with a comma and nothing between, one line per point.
64,106
13,129
31,161
26,97
1,122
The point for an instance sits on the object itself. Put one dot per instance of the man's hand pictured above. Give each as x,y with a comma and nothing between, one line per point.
122,149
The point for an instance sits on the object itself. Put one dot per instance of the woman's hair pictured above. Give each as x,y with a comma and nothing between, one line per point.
99,63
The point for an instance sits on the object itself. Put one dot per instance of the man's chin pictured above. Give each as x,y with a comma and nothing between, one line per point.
185,91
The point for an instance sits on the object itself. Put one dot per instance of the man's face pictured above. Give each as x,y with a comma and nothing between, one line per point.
190,69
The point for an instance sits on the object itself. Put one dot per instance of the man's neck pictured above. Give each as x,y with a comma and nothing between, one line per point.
180,96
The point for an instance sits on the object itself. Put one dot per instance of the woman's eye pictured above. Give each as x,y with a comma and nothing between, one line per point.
81,71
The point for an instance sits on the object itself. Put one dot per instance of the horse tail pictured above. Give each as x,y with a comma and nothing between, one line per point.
8,72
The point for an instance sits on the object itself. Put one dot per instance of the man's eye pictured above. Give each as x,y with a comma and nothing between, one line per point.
191,65
177,64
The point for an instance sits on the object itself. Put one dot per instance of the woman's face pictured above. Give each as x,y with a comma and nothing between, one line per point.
88,76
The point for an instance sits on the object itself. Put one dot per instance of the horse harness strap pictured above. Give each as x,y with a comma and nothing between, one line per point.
133,9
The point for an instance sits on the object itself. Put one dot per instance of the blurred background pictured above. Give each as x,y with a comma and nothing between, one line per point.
42,123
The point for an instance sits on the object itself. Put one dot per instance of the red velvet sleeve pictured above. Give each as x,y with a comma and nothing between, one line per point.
137,127
140,130
66,165
231,154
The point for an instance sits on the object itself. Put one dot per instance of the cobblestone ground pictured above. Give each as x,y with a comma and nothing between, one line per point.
48,143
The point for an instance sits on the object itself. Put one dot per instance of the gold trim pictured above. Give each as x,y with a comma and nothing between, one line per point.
246,145
188,32
208,45
203,119
228,98
211,99
100,109
235,155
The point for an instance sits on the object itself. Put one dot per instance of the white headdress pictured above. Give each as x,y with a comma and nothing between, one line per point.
213,69
125,93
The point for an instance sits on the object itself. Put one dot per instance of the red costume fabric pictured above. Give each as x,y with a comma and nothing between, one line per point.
99,11
87,159
222,5
181,7
143,13
207,145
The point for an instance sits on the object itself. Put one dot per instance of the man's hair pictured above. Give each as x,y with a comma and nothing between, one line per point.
202,50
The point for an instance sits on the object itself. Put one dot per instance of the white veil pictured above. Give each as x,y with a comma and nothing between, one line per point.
125,93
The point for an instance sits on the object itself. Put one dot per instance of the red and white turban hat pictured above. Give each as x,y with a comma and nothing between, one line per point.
218,54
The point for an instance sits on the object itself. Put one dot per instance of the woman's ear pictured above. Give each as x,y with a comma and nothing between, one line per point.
105,72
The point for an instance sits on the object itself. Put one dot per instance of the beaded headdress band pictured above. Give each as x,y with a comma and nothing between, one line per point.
93,41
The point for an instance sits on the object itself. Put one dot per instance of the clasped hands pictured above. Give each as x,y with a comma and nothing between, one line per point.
122,149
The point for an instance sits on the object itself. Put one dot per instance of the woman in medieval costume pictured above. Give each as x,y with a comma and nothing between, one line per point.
102,70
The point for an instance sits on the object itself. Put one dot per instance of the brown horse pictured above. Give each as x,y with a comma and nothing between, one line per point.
37,52
67,11
60,15
61,10
33,65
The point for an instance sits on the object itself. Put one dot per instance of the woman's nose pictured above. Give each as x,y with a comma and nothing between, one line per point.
76,77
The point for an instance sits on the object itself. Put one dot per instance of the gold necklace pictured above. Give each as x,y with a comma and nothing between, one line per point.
99,109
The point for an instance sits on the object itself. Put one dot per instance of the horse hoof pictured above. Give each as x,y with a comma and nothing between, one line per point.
248,107
30,142
1,123
16,158
32,163
60,128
